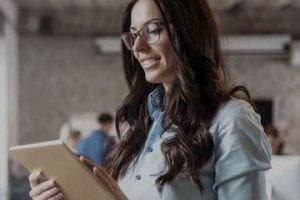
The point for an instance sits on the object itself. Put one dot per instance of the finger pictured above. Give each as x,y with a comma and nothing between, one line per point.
34,177
87,162
41,187
57,196
53,193
105,179
100,175
109,182
103,174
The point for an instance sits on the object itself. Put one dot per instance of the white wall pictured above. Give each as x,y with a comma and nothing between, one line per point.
11,41
8,91
3,121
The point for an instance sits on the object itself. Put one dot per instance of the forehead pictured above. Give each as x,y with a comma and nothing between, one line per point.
143,11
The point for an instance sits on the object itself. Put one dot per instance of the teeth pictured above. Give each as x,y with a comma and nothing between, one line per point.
149,62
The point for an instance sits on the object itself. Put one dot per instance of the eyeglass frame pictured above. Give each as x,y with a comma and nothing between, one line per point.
138,33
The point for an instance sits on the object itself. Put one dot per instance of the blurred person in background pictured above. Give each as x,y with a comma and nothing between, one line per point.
73,139
275,139
98,143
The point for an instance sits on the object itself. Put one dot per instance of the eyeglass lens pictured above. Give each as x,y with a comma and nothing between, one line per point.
149,33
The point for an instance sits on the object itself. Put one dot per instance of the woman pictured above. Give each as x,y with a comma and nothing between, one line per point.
187,136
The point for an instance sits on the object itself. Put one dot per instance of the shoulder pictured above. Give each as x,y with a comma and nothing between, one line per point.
237,120
236,113
235,109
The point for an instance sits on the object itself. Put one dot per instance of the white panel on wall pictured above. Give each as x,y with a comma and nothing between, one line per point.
256,44
8,90
3,121
108,45
295,54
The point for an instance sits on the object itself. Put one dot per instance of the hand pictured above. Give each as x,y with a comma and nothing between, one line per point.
42,189
104,177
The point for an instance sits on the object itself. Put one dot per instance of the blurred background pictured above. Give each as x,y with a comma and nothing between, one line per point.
60,65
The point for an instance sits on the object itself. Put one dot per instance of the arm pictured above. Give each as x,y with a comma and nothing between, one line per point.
247,187
242,154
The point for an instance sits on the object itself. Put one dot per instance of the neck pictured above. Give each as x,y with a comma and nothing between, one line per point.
103,129
166,87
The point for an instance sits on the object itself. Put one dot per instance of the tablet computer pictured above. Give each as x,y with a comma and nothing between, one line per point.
57,161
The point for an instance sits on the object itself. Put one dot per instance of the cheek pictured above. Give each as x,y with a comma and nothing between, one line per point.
167,55
169,60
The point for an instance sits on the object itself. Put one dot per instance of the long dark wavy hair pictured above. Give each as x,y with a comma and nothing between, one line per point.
201,86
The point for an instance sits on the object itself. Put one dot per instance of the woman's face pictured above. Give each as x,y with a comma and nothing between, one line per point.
158,59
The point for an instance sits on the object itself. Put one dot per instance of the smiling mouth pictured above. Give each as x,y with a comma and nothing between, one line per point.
149,63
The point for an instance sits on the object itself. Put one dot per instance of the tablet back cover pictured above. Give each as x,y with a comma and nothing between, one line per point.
57,161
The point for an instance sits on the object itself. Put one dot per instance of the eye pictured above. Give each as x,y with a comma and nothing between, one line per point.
152,29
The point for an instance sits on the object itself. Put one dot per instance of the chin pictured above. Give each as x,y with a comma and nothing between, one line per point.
153,79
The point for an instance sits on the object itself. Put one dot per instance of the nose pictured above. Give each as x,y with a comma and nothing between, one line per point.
139,44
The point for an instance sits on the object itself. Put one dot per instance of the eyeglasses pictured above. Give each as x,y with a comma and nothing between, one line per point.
149,33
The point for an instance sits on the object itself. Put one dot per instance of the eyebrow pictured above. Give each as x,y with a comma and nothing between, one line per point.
132,28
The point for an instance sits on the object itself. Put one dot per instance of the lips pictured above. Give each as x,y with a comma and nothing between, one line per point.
149,62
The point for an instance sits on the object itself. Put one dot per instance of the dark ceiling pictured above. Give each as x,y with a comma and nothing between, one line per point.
103,17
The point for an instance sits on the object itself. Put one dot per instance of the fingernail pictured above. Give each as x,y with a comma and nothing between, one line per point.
51,182
37,173
60,195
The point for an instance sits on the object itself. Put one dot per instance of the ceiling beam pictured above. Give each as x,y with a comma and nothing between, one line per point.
76,22
236,17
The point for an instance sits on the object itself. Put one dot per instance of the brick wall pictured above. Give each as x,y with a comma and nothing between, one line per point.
273,78
60,77
63,76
